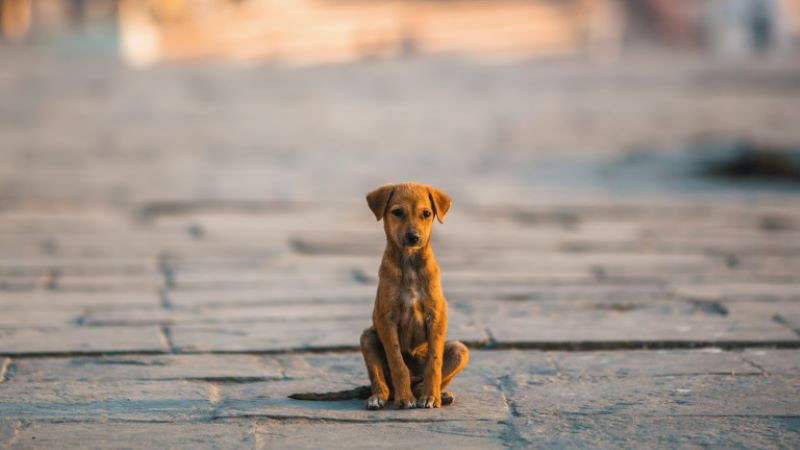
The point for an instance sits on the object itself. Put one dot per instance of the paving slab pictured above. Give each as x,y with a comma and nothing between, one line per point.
217,368
273,277
267,294
740,291
656,321
108,400
299,434
691,395
302,312
8,430
75,266
72,340
596,291
270,336
489,365
40,318
652,363
494,364
625,431
475,401
220,368
44,299
105,283
89,435
778,362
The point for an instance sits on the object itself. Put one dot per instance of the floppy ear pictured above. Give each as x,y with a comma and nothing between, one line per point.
440,202
378,200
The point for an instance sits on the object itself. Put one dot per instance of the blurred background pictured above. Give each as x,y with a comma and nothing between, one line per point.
145,32
180,178
129,101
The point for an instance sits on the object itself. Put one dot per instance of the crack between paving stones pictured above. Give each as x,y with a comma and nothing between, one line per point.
166,270
18,427
709,307
258,438
166,339
777,318
478,345
752,364
164,301
490,340
6,370
215,400
511,437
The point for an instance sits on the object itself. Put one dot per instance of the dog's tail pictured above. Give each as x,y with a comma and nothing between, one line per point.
360,393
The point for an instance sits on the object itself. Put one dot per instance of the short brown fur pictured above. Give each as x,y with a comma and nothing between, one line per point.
405,351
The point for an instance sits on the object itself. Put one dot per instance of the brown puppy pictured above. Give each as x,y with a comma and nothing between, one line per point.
405,352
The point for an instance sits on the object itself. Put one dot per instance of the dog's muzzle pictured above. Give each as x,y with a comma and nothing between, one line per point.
412,238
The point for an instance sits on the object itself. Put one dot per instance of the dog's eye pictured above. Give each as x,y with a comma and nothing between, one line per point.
426,214
397,212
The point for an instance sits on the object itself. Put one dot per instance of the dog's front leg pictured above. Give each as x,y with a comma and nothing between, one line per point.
401,379
431,393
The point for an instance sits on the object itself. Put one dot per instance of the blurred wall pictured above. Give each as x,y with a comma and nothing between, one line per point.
338,30
314,30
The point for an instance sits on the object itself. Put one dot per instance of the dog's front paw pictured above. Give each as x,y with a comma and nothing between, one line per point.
405,403
429,401
375,401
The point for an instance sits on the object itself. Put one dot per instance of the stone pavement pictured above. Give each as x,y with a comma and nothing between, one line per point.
149,300
192,329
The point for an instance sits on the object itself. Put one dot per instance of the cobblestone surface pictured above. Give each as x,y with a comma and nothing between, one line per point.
182,248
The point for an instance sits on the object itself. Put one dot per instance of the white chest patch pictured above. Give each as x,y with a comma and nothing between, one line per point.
411,297
412,311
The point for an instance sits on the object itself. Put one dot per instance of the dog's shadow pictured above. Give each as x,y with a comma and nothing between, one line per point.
354,408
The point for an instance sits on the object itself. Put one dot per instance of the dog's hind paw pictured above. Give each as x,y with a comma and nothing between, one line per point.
375,402
448,398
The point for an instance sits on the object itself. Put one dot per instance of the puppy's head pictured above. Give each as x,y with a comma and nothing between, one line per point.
407,210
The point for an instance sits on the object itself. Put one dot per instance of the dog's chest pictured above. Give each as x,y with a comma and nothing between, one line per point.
412,317
411,297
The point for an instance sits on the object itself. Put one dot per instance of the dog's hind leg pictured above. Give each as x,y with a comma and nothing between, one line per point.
377,368
456,356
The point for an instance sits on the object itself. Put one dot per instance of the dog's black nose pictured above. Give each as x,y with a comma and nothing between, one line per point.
412,237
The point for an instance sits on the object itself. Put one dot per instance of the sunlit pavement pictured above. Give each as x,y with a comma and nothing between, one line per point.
184,247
